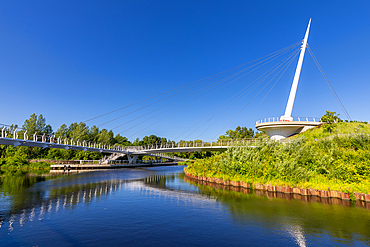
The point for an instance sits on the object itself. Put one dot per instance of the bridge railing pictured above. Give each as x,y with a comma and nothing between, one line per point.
89,162
109,162
17,134
194,144
298,119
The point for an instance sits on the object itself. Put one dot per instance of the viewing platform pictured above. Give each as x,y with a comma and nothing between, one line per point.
279,129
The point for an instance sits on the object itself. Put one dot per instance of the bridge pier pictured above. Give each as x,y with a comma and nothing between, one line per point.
158,159
132,158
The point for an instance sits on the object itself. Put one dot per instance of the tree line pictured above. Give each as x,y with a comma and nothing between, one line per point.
81,131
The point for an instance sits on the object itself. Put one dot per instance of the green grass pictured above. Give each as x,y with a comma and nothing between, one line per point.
315,159
342,128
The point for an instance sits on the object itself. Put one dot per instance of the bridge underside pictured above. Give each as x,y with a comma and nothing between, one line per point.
282,129
184,149
129,151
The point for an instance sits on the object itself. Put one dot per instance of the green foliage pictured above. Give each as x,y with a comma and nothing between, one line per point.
121,140
18,156
150,140
13,157
20,161
80,131
329,127
183,163
87,155
261,134
330,118
105,137
77,131
62,132
341,163
37,124
341,128
16,161
195,155
238,133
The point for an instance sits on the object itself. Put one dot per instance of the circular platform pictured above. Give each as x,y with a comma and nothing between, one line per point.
278,130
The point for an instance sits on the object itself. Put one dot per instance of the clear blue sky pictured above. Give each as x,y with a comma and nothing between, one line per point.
74,60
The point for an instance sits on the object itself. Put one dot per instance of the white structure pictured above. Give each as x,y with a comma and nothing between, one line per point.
278,130
13,137
286,125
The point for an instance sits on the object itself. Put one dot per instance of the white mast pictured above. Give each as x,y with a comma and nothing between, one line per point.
289,107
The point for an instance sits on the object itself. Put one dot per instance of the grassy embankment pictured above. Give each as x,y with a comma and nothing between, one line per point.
314,159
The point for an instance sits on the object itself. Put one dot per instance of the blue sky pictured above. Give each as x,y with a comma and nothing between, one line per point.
74,60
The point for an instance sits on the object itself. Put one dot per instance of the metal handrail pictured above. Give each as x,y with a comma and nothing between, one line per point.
69,142
295,119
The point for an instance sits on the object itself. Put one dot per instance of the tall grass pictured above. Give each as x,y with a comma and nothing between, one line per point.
341,162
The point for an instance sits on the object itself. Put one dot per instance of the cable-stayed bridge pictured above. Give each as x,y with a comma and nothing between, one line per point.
157,150
277,128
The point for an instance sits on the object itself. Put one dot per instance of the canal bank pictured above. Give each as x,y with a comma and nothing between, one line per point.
336,166
336,197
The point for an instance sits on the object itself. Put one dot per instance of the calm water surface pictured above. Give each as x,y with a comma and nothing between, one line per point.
159,207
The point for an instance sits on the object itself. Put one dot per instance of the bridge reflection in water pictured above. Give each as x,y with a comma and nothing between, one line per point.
67,198
299,219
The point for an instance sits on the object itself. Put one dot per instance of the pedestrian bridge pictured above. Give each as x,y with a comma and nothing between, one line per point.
18,137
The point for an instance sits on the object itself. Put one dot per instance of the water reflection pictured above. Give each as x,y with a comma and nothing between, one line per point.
27,198
28,201
311,216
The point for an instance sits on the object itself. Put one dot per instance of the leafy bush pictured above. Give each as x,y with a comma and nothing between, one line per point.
16,161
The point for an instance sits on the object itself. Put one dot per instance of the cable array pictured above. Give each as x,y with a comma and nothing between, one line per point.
283,69
204,96
328,82
189,94
244,92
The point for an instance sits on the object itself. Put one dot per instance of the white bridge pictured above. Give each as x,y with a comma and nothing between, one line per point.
21,138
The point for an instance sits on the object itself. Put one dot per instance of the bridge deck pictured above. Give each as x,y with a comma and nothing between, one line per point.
107,166
124,150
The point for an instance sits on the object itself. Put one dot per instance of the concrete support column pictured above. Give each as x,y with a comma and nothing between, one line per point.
132,158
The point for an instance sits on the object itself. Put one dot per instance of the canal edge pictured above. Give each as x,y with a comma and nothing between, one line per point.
345,196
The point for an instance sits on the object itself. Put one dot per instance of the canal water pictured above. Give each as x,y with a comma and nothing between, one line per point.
159,207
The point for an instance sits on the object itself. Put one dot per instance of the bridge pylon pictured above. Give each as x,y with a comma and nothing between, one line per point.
285,126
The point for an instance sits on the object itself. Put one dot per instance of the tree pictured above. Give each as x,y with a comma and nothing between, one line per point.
37,124
137,141
62,132
238,133
94,132
105,137
152,139
330,118
78,131
121,140
261,134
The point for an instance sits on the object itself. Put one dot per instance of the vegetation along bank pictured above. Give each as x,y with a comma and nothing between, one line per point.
332,160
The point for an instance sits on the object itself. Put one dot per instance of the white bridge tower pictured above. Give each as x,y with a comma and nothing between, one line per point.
286,125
